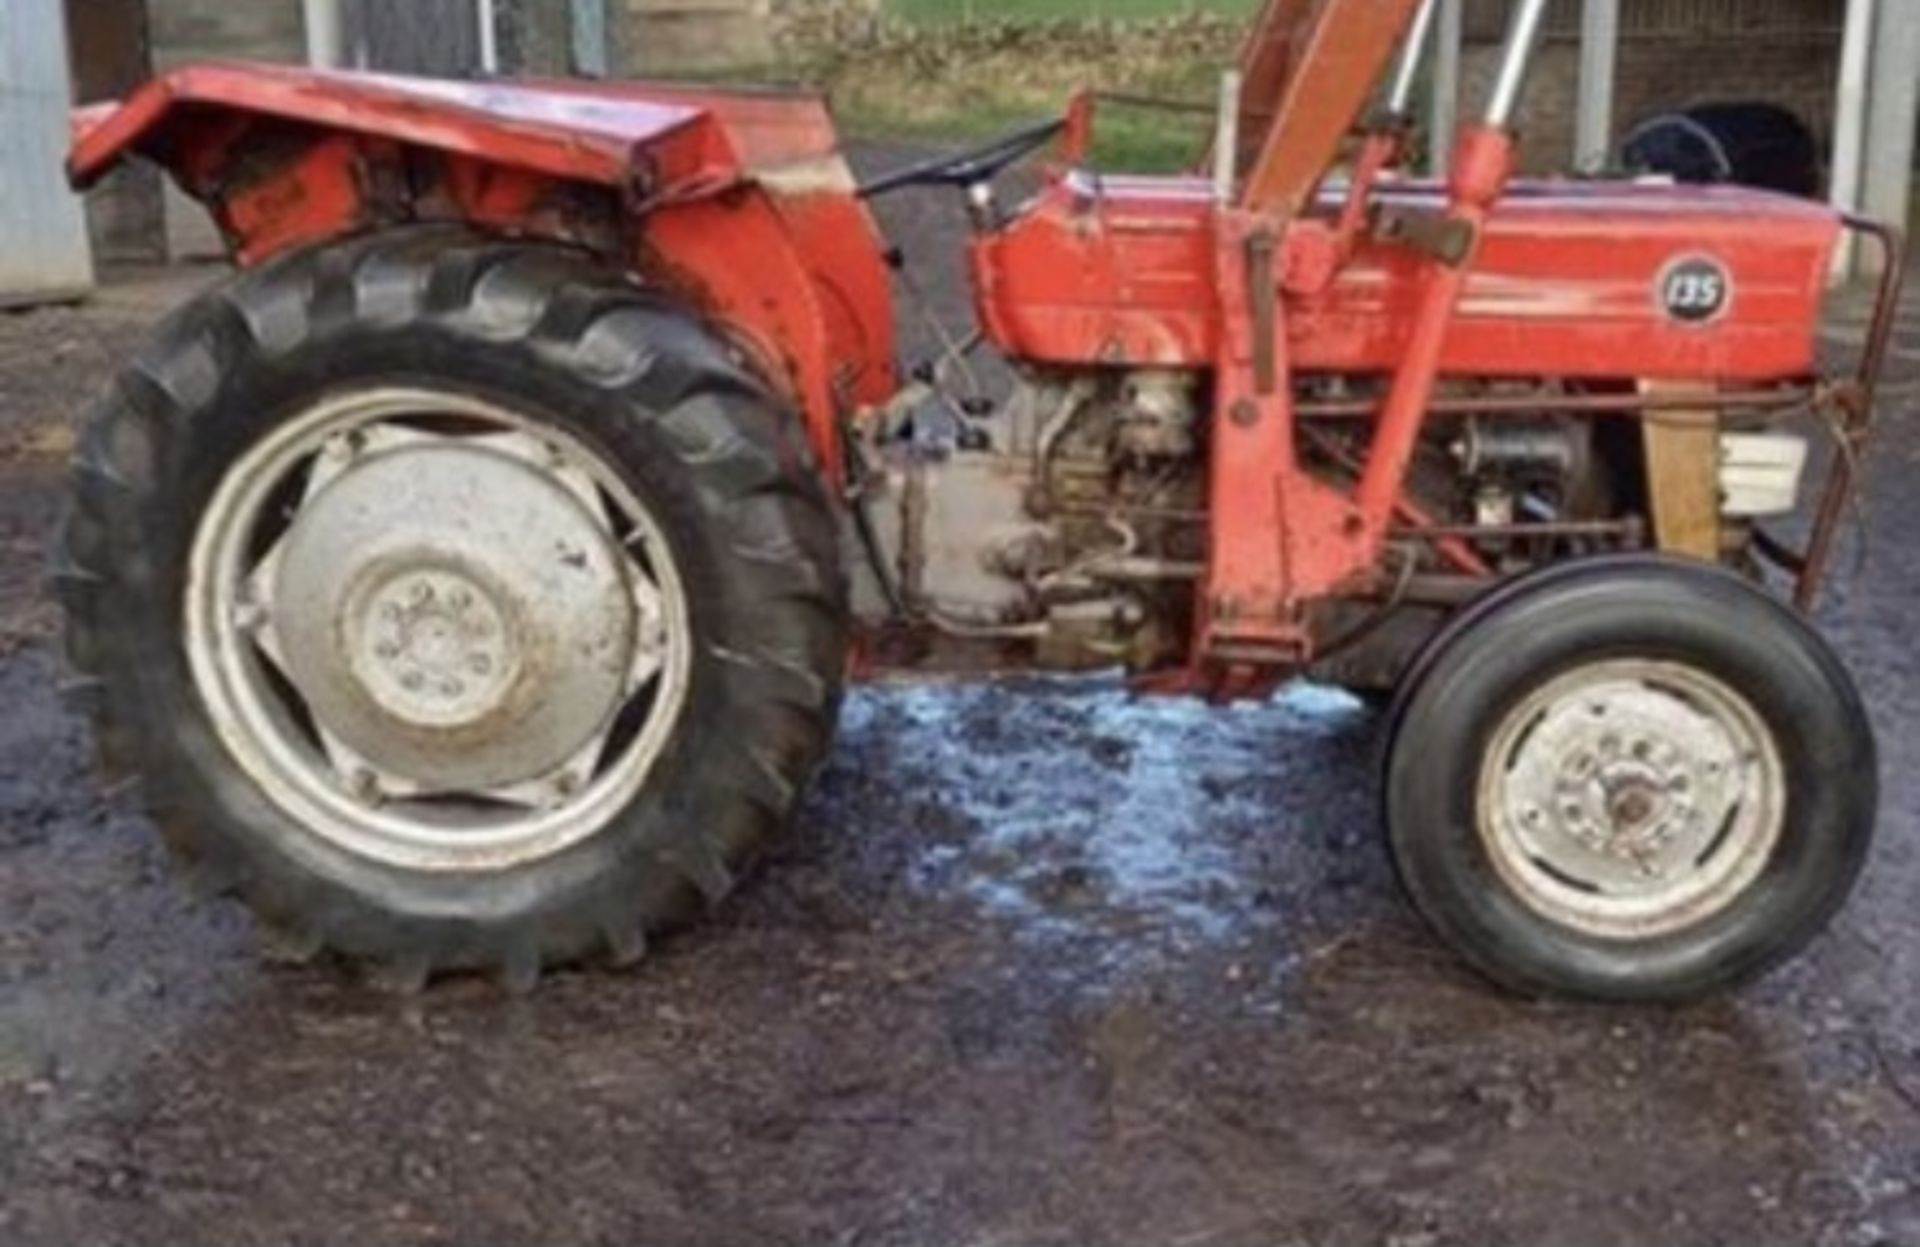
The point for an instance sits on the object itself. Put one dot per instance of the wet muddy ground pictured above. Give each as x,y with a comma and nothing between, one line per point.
1038,965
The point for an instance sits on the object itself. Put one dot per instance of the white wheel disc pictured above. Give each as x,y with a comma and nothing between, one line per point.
437,633
1630,799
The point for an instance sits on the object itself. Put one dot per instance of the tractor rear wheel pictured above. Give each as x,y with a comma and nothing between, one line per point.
458,604
1629,779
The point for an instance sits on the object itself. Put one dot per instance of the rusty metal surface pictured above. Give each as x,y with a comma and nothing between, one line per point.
1855,415
566,135
738,201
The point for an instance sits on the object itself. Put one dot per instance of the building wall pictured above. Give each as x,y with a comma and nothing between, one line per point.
439,38
107,49
187,30
1673,54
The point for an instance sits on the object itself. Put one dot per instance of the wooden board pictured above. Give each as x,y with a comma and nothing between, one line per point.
1683,473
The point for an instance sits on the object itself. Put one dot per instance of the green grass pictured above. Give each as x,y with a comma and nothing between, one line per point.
956,71
1125,139
930,11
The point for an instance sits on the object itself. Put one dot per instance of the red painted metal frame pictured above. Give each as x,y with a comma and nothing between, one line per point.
739,201
1566,283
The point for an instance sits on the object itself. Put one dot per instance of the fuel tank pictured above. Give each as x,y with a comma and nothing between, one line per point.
1612,280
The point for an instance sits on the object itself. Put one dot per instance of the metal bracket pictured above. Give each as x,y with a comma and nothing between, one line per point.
1439,235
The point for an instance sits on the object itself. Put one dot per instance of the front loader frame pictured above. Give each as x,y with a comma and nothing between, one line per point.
1282,540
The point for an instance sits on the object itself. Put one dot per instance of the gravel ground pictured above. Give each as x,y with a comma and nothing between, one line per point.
1038,965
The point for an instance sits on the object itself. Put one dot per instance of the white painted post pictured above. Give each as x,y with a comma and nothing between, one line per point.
489,38
1893,113
1850,122
325,48
45,254
1443,113
1599,58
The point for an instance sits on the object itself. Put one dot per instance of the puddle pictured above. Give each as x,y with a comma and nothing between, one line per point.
1077,812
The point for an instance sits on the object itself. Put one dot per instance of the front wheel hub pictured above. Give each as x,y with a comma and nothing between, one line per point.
1631,798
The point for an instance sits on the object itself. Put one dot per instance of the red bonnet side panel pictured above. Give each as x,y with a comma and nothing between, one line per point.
1575,280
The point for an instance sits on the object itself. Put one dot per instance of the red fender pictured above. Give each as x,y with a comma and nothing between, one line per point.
739,201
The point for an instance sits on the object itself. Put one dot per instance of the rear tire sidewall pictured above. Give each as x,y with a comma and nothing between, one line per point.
1699,617
367,907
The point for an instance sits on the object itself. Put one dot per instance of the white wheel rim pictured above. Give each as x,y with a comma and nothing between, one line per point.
1630,799
436,633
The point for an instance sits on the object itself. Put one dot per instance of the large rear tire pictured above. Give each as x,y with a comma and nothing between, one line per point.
1629,779
458,604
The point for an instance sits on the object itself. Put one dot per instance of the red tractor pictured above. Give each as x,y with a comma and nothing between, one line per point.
472,579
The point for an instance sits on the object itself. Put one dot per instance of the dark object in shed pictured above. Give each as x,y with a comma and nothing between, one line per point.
1751,144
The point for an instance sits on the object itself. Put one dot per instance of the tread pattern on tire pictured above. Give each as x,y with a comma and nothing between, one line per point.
755,480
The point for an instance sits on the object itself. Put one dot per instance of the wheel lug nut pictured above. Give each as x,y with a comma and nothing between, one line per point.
480,664
412,681
452,688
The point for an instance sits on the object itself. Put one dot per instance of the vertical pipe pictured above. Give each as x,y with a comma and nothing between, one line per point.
489,38
1850,123
1226,139
1443,117
1400,98
1523,36
1893,111
322,20
1599,57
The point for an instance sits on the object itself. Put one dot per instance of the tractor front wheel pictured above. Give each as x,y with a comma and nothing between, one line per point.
1629,779
457,604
